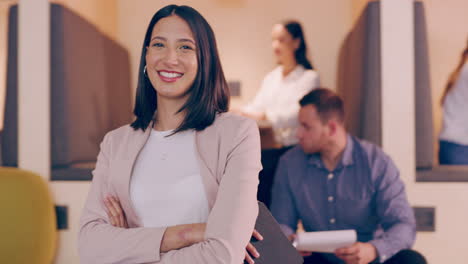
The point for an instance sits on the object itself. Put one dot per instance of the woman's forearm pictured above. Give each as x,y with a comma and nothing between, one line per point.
180,236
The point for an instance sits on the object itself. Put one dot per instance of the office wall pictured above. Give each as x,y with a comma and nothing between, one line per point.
4,6
102,13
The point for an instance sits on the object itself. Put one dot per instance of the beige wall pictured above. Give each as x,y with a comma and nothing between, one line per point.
4,7
101,13
358,6
72,195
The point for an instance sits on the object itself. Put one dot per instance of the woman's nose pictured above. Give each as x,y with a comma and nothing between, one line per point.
171,57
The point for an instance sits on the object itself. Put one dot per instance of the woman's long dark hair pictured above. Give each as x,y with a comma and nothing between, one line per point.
455,74
295,29
208,95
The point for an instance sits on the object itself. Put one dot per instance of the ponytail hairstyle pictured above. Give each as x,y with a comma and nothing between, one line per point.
295,29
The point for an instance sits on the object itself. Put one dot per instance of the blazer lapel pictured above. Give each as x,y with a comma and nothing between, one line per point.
135,145
207,153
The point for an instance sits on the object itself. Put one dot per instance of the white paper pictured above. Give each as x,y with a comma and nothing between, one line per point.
325,241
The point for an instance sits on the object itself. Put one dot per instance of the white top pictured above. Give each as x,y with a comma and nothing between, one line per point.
166,187
279,99
455,119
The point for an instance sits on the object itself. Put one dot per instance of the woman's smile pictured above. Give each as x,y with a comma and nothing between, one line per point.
169,76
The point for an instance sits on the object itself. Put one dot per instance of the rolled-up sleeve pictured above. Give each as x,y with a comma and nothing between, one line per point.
394,212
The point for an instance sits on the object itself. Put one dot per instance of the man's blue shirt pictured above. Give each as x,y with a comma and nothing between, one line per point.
364,192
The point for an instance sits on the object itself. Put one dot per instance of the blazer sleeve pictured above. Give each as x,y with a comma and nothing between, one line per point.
99,241
232,218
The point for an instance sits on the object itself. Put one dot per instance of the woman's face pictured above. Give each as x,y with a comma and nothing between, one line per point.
284,45
171,58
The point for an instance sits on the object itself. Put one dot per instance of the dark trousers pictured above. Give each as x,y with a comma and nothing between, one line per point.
452,153
406,256
270,159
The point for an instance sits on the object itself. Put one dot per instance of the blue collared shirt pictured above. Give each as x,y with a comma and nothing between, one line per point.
364,192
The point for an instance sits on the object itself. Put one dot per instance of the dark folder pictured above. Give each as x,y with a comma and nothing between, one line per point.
275,248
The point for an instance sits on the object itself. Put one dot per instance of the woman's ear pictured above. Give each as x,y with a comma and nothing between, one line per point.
297,43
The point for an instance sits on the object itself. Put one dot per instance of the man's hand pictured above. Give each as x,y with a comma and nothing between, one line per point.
358,253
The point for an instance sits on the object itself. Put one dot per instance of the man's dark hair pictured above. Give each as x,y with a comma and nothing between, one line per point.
327,103
209,92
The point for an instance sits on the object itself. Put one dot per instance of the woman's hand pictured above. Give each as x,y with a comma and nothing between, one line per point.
251,250
114,212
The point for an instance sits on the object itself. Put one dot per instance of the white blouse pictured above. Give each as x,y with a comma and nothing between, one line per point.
279,99
166,188
455,119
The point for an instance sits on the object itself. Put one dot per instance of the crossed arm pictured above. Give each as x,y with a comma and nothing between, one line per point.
175,237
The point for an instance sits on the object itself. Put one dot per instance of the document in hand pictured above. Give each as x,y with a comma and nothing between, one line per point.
275,248
325,241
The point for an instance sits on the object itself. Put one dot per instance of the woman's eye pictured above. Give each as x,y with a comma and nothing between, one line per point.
186,47
158,45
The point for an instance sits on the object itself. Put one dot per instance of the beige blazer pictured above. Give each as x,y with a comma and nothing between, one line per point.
228,152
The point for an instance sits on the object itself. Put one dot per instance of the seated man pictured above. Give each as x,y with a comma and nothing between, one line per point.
334,181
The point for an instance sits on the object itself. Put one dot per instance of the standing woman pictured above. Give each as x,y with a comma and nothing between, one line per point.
278,98
453,139
179,184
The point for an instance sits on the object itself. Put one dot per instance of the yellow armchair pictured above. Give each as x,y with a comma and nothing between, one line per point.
28,228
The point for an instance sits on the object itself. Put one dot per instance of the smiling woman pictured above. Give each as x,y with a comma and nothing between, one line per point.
171,59
143,206
179,53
